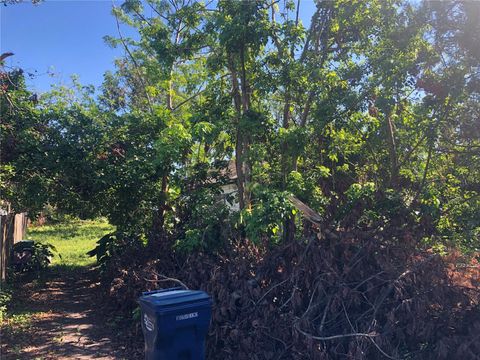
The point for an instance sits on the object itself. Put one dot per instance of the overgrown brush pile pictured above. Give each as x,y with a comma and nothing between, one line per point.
353,295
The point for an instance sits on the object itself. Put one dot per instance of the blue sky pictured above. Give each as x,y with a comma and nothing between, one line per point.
60,38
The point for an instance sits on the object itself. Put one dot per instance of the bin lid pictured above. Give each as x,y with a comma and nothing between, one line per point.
170,298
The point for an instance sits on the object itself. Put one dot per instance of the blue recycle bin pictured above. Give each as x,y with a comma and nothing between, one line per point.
175,323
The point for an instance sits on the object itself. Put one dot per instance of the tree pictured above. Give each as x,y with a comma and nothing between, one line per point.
373,105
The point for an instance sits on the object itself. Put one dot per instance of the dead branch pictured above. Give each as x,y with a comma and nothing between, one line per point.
334,337
382,298
309,214
164,278
270,290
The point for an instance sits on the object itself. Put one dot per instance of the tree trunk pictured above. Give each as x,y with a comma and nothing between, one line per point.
392,147
157,235
239,146
169,95
284,147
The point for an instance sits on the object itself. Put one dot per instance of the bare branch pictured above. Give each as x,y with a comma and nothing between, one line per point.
164,278
334,337
136,65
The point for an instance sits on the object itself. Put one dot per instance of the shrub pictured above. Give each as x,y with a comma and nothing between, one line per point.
31,256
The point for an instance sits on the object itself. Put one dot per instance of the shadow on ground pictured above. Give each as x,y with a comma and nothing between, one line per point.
62,319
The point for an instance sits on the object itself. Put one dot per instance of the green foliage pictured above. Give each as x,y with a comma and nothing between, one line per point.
357,192
51,216
37,255
369,116
204,216
295,139
172,145
111,246
104,248
306,188
72,240
5,298
136,314
357,195
265,219
256,125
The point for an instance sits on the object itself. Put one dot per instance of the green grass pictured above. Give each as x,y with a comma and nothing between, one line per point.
19,322
72,240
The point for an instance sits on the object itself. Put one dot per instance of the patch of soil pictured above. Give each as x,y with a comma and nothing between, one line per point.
67,320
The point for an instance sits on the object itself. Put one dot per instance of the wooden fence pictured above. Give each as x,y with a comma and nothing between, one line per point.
13,228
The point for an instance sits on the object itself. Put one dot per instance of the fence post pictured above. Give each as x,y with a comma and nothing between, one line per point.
6,235
12,229
20,227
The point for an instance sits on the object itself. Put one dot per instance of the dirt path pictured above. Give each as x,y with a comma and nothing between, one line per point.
63,320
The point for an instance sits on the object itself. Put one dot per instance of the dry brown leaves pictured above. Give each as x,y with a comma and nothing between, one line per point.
352,296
